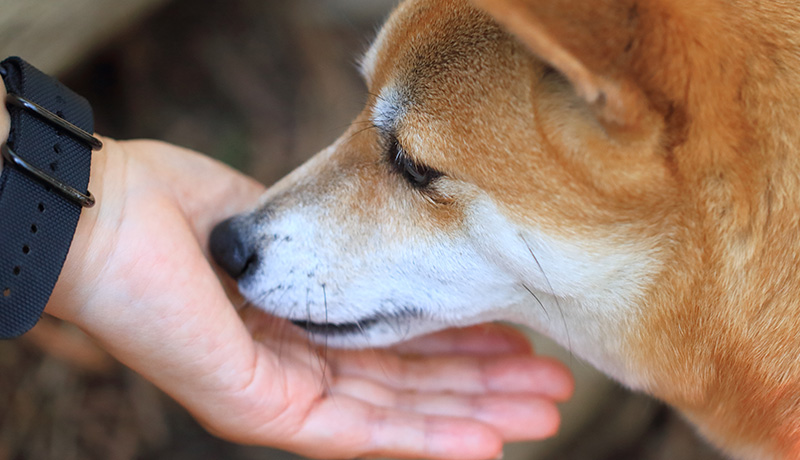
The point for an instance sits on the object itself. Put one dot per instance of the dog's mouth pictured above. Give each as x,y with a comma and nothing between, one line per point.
361,326
331,329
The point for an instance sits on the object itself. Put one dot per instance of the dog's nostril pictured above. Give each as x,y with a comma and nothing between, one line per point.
231,248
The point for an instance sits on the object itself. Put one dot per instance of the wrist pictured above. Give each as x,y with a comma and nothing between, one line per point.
47,153
68,282
90,247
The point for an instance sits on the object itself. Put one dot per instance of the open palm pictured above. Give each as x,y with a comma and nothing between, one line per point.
138,280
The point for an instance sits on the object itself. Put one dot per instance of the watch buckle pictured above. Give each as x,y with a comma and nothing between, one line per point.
85,200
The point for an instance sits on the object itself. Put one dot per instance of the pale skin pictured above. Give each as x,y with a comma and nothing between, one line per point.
137,280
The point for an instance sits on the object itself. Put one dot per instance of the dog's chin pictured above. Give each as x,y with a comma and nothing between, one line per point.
376,331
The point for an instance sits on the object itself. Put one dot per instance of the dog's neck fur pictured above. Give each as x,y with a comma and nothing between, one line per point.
728,338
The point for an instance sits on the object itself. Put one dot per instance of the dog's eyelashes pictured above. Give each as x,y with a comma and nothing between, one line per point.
418,175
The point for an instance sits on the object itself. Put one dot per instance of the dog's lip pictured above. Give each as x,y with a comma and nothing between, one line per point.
336,329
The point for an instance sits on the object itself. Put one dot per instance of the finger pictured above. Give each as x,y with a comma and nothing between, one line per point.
517,417
363,429
484,339
507,374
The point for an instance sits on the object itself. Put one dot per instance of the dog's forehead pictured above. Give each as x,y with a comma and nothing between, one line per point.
424,40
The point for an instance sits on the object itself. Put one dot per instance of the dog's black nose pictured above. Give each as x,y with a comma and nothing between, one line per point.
232,248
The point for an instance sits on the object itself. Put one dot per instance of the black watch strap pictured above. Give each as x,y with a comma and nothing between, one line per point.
43,187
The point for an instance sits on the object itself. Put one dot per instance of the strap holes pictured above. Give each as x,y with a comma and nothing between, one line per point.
57,148
34,228
59,133
53,166
6,292
41,207
16,271
26,249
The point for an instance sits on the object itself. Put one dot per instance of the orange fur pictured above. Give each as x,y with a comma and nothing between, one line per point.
721,336
668,126
676,120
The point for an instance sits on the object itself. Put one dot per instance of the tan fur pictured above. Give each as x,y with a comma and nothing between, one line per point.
668,126
721,337
714,173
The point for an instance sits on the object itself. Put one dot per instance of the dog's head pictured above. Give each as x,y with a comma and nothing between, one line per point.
573,165
477,184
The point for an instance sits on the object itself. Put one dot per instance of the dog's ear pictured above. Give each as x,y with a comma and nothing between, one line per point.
590,42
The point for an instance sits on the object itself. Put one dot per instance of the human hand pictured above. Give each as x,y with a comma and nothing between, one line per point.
137,279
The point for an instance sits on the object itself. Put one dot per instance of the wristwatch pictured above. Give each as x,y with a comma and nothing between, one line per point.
43,188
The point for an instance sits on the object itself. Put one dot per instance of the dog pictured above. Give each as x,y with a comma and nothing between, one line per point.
621,175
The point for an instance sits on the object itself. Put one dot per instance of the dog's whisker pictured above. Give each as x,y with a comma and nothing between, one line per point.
371,126
546,313
553,293
361,328
358,123
410,313
309,334
325,346
361,122
407,333
395,327
289,328
282,335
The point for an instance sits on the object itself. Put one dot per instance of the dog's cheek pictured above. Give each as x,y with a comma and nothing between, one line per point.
374,247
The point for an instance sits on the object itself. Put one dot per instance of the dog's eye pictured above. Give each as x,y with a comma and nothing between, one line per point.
419,176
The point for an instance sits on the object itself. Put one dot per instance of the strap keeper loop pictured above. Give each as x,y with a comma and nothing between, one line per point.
54,120
85,200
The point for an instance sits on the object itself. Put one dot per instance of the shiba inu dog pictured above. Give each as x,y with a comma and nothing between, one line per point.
622,176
